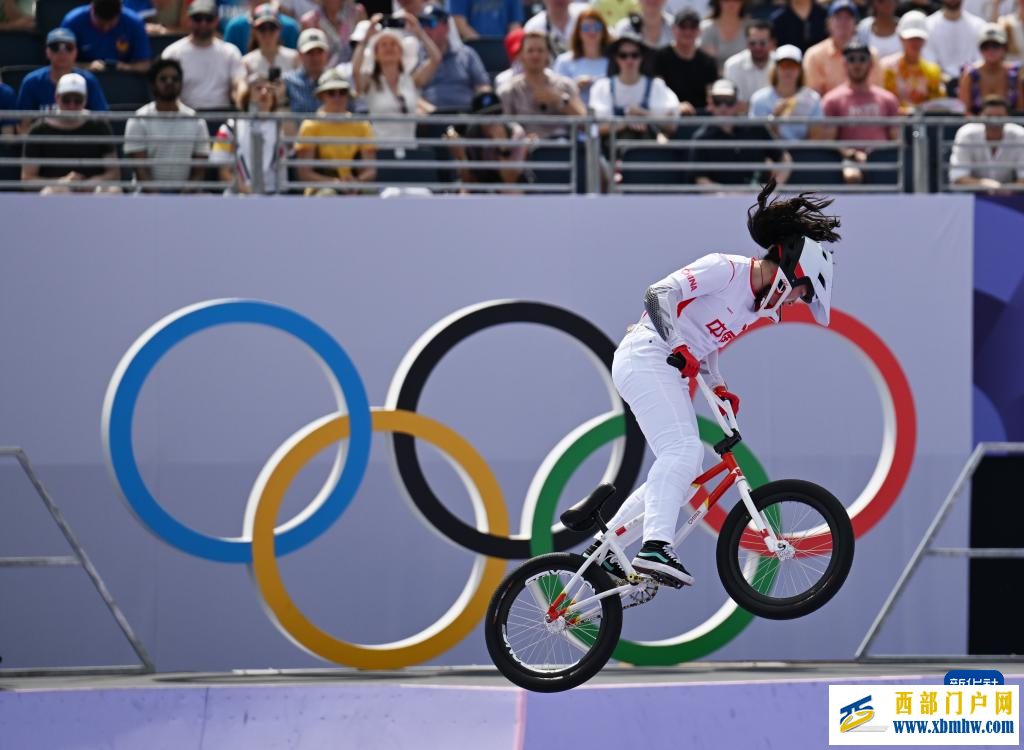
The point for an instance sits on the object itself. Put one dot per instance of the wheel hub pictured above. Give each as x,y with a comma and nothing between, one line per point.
555,626
785,550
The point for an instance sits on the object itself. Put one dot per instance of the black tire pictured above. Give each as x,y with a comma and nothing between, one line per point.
828,581
605,635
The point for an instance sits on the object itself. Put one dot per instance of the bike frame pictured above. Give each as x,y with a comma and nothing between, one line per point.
615,541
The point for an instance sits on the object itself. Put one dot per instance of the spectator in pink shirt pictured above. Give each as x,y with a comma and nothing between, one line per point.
858,97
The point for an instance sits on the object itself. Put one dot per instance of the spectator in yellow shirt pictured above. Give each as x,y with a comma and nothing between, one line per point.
333,91
911,78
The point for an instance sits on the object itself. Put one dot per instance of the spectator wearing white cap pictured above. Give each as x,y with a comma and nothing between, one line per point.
388,89
750,68
786,96
992,75
266,51
988,156
213,68
301,83
878,30
72,97
38,88
722,103
824,64
158,134
907,75
952,38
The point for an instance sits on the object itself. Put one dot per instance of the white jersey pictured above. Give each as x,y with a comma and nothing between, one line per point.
705,305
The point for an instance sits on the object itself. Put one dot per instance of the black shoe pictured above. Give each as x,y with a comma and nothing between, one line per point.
610,565
657,560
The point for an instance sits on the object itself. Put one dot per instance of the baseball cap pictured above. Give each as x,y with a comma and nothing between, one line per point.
71,83
60,34
312,39
435,11
913,25
847,5
202,7
723,87
687,16
514,43
486,102
992,32
332,80
265,13
789,52
856,45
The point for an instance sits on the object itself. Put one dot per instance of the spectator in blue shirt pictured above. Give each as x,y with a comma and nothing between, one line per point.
7,101
239,28
109,36
476,18
301,83
461,73
38,89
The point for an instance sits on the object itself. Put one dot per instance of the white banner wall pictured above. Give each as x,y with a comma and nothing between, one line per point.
83,278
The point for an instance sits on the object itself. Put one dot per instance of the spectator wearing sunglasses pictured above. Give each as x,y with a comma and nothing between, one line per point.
72,96
992,75
722,102
858,97
825,63
587,58
109,35
388,89
265,49
629,91
334,93
750,69
149,135
38,89
460,74
686,69
213,68
239,29
538,90
557,21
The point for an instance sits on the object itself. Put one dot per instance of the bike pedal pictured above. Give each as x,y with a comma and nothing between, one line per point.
667,581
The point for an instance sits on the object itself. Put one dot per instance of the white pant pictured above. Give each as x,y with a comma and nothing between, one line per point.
660,400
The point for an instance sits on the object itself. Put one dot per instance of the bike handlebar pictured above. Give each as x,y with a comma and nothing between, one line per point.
720,408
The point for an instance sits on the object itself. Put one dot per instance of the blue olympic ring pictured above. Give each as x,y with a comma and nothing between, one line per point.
139,361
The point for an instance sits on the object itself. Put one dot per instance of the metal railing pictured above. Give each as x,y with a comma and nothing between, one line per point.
590,156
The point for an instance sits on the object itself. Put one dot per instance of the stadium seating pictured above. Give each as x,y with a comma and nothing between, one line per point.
13,75
160,42
21,48
400,173
492,51
124,90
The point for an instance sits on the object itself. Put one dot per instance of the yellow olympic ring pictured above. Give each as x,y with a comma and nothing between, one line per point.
265,503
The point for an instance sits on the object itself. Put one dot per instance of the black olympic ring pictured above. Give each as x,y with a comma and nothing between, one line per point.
462,327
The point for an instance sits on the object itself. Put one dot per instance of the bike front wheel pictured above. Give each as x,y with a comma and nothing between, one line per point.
813,564
550,656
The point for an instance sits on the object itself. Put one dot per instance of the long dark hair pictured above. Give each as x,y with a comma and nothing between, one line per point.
770,223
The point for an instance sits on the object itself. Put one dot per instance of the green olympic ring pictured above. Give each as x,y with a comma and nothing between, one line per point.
728,622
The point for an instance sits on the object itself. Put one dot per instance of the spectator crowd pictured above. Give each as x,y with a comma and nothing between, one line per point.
356,72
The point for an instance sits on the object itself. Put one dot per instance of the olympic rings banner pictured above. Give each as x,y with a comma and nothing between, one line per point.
336,431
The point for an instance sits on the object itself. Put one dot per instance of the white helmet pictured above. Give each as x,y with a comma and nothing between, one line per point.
802,259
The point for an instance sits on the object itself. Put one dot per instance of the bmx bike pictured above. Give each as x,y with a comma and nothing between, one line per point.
783,552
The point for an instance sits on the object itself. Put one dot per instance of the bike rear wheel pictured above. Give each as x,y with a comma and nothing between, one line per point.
803,577
550,657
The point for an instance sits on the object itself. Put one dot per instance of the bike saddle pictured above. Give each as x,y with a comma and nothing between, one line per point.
585,514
